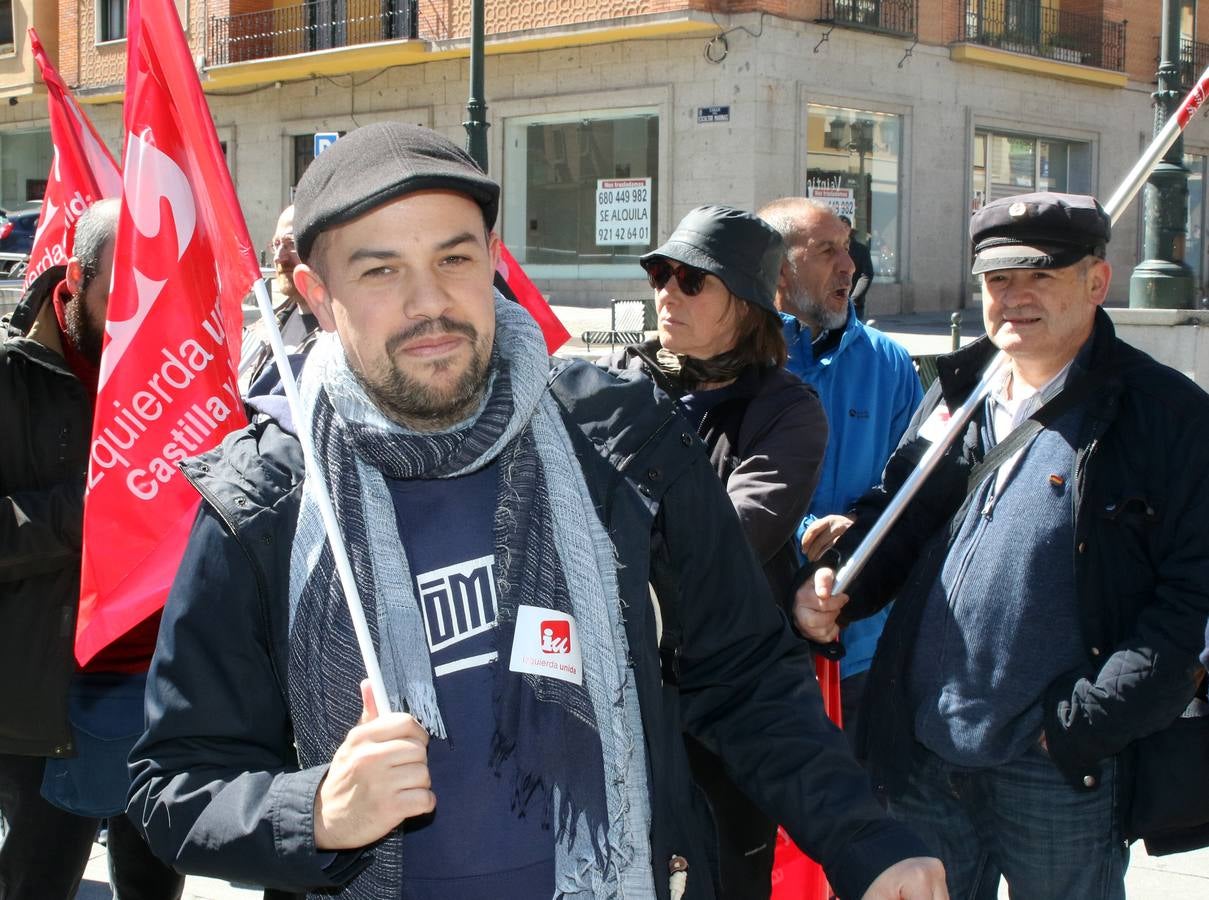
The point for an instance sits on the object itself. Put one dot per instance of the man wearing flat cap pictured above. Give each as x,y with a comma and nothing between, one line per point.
504,523
1051,575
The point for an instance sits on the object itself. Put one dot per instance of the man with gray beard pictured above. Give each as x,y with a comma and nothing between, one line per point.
866,381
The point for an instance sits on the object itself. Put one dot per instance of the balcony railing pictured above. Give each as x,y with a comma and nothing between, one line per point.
1194,58
1024,26
318,25
886,16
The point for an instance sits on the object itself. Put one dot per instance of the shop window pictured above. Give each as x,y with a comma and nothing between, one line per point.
852,164
6,27
303,154
1006,164
581,192
1194,244
25,158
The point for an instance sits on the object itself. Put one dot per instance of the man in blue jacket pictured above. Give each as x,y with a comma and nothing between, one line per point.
866,381
505,526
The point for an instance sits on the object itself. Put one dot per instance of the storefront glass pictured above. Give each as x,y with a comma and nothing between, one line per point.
581,192
852,164
25,159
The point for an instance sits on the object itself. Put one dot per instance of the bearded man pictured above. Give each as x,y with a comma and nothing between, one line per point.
505,524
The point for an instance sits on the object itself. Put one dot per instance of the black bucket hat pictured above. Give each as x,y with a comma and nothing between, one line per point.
741,249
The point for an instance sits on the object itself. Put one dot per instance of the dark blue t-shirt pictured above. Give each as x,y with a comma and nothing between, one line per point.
474,845
697,404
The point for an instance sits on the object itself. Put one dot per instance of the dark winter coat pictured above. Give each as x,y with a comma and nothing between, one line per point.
1141,565
215,779
766,442
47,423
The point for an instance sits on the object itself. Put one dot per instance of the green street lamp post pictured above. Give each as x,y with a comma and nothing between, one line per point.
476,107
1162,280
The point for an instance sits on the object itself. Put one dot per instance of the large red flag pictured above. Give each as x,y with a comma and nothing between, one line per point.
182,263
525,293
83,171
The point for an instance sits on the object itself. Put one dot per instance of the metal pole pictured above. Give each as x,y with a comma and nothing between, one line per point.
1162,280
476,107
1115,206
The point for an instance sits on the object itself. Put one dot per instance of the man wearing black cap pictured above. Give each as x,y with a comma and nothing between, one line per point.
1051,576
504,524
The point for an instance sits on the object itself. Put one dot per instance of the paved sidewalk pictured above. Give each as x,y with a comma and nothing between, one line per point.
1184,876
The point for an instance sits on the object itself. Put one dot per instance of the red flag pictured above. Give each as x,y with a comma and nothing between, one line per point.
182,263
525,293
83,171
795,876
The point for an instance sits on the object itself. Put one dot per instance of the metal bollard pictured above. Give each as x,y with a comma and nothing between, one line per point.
955,329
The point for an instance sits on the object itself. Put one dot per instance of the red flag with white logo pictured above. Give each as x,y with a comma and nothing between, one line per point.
81,173
525,293
182,263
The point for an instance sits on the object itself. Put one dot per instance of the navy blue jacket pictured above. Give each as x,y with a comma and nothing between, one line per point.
1141,566
216,785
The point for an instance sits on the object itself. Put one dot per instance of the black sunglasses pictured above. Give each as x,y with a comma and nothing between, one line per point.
689,278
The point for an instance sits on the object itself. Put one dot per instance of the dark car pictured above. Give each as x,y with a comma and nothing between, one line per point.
17,231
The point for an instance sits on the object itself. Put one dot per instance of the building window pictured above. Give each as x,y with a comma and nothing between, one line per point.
581,192
852,164
111,20
1194,245
6,27
303,154
25,158
1006,164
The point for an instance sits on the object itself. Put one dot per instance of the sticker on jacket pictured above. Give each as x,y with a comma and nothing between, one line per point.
546,643
936,424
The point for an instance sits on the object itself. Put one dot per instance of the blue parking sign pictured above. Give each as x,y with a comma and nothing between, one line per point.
323,140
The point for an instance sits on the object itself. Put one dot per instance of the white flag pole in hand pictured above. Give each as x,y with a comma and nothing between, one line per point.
326,511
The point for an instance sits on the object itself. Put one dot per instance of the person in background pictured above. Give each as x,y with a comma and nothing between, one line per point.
299,328
721,353
866,382
48,385
862,278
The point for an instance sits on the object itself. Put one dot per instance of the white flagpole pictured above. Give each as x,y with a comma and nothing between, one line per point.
327,512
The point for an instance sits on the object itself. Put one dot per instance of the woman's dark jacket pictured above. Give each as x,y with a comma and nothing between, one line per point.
47,416
215,779
766,442
1140,555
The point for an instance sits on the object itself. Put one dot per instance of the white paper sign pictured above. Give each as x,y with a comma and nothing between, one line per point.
623,211
546,643
842,200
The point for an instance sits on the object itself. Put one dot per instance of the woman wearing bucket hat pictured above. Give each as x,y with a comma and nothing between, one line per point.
720,350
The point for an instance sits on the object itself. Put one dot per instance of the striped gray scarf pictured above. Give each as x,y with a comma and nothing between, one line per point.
551,552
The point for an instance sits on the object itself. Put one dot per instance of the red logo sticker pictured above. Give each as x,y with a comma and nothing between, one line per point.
556,636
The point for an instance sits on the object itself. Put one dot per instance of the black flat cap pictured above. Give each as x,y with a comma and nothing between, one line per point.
378,163
741,249
1038,231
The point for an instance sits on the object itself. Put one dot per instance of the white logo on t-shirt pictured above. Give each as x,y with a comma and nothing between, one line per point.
458,601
